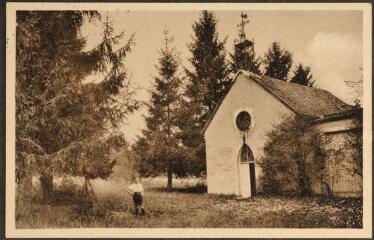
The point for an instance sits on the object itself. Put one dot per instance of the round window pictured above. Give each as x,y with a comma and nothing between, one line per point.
243,121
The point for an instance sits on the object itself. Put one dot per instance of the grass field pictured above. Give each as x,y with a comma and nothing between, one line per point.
188,206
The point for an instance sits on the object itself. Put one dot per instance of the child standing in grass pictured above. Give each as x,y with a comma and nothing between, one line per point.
136,190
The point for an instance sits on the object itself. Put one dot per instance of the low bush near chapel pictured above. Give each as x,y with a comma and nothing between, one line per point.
294,157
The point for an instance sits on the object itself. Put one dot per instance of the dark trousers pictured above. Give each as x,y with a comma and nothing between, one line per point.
138,201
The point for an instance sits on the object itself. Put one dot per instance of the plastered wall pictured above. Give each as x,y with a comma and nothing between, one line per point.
223,139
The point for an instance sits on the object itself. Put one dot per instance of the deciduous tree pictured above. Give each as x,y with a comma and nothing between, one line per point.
294,156
354,139
354,142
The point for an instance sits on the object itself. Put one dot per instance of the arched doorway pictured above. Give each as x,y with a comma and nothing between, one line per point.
246,156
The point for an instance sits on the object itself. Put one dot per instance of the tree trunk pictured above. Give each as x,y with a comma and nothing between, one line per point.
303,179
90,191
25,187
170,164
170,177
46,182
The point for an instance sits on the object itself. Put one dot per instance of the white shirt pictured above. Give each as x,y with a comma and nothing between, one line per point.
135,188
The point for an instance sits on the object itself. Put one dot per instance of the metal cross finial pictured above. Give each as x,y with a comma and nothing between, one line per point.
241,26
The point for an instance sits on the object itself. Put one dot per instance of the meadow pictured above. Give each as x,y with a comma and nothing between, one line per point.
187,206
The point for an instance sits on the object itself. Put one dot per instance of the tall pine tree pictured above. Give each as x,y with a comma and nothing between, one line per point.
302,75
158,150
210,69
277,62
244,56
207,83
64,126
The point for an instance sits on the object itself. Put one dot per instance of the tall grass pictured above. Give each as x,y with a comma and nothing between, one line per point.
189,207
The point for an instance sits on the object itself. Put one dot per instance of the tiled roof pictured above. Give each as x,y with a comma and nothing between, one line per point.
354,112
301,99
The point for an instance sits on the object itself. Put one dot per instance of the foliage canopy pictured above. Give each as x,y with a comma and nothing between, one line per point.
65,125
294,157
159,150
277,62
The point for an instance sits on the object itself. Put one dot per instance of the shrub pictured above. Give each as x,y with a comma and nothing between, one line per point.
354,141
294,157
68,191
89,210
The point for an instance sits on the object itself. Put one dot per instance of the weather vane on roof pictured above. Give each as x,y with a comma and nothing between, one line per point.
241,26
243,46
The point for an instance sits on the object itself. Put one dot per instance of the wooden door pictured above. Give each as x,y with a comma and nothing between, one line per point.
246,155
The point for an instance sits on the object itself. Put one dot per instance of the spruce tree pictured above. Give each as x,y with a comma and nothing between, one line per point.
302,75
207,83
210,69
277,62
158,150
65,126
244,56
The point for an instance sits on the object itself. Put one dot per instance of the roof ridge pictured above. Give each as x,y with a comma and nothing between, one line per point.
304,100
248,73
277,87
295,84
291,83
258,81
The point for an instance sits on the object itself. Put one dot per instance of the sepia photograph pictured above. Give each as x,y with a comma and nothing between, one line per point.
145,120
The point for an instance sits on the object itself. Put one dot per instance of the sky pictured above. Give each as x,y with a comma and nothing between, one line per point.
330,42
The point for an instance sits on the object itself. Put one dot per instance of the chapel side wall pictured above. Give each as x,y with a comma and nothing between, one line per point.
333,126
223,139
339,176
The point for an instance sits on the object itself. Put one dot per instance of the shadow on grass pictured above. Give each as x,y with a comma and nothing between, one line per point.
198,189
